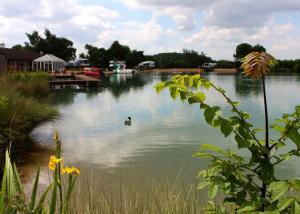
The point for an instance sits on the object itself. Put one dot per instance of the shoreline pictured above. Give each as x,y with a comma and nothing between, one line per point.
192,70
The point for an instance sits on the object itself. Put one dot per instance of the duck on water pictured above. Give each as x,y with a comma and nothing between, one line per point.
128,121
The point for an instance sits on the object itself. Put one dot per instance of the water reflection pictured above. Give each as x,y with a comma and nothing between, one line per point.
245,86
164,133
122,83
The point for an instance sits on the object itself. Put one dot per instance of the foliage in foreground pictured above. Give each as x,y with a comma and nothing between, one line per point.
20,110
12,196
250,185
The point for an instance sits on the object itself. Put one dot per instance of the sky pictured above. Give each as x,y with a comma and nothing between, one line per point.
214,27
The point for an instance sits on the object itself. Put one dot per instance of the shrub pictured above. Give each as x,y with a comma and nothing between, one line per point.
249,185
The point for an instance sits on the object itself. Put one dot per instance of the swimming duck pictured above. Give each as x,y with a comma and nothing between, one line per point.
128,121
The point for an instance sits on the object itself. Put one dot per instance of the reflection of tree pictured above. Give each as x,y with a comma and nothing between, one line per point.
122,84
245,86
63,97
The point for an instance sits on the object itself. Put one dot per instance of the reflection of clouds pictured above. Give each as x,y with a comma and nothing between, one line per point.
92,129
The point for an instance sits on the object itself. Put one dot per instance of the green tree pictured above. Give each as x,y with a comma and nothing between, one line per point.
83,56
17,46
58,46
118,51
97,56
249,185
258,48
244,49
186,59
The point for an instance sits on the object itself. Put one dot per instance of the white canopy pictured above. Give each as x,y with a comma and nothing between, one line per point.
49,62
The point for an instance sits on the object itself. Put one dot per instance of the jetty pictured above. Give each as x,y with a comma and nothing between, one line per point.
73,79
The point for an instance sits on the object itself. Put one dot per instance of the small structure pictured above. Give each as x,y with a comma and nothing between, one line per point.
49,62
209,65
80,62
16,59
147,64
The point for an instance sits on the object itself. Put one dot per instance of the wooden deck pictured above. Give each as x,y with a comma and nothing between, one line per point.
76,79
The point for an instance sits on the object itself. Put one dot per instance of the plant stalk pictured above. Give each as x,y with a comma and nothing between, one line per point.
266,114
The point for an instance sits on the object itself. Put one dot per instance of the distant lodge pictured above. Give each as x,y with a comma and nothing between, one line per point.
27,60
16,59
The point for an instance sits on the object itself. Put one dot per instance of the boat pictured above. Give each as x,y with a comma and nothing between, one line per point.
92,71
119,69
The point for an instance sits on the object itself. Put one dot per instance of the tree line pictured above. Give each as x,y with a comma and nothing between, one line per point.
99,56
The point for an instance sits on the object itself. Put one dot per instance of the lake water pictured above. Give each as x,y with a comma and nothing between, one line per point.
164,133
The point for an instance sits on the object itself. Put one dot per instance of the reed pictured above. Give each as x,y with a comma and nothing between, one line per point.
21,110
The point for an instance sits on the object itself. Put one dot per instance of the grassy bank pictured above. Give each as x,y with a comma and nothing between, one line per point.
156,197
22,108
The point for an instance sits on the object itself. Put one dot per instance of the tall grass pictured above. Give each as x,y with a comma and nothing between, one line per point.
155,197
21,109
30,83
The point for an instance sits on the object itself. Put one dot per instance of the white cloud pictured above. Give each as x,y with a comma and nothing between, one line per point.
148,36
183,17
80,22
223,24
221,41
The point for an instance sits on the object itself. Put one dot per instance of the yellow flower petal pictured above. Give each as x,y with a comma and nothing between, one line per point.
52,166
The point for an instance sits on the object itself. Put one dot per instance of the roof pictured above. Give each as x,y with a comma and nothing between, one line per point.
49,58
19,54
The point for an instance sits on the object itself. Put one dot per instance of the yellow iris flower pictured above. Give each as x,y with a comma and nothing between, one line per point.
68,170
52,166
55,159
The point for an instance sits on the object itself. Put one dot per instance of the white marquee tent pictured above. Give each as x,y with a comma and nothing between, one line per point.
49,62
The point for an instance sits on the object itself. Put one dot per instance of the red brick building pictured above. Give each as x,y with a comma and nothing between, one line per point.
16,59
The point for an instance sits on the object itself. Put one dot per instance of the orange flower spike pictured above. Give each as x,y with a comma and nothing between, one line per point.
257,64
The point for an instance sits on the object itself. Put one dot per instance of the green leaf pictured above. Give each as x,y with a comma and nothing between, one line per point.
42,199
173,92
53,197
242,143
295,184
202,155
212,192
203,184
198,97
226,128
278,189
159,87
284,203
294,136
247,208
18,180
211,113
296,207
211,148
34,190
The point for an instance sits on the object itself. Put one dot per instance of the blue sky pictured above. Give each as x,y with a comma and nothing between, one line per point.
214,27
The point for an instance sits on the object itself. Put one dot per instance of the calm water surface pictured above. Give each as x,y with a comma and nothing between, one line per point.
164,133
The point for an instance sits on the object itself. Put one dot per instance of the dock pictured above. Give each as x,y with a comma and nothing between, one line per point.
73,79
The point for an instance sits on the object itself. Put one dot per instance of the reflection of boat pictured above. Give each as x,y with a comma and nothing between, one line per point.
93,71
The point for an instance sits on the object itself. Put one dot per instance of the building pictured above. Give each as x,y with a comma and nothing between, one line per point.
147,64
16,59
80,62
49,63
209,65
